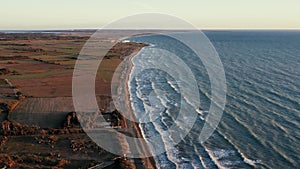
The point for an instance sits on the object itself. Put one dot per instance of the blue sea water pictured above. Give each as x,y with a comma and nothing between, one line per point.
260,126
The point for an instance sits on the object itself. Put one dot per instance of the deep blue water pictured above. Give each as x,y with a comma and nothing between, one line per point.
260,126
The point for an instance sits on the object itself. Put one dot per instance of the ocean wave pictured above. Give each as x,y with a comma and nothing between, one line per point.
262,105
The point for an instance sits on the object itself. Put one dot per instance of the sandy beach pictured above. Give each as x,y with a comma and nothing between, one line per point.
46,62
130,125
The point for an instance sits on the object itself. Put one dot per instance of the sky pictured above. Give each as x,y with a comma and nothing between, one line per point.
203,14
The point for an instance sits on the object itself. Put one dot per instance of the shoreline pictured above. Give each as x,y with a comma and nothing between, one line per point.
133,127
52,81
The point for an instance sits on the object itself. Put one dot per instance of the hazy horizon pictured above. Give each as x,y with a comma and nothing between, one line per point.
206,29
93,14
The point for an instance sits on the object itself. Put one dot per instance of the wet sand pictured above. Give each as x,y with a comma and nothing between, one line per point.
132,127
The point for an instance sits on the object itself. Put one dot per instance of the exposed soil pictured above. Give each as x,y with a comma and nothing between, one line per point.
37,130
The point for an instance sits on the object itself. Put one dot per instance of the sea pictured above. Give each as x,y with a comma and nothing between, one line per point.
260,125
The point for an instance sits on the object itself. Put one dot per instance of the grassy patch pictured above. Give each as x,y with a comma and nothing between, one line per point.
37,75
107,68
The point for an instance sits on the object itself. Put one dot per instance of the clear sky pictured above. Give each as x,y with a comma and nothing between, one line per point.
205,14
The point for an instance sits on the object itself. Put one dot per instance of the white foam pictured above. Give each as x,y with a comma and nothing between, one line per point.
201,114
250,161
214,159
172,153
218,156
202,160
245,159
221,153
173,86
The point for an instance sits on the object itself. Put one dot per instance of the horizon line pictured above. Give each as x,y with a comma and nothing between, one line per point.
205,29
